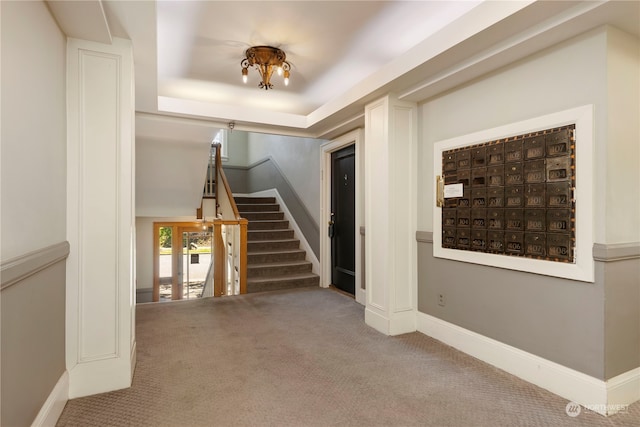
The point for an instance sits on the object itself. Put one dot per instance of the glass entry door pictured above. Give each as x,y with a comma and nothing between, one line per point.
183,253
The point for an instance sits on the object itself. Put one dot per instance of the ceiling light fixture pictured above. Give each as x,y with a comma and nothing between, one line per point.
265,59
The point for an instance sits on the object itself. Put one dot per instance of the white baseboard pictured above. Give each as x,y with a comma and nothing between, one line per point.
53,406
399,323
604,397
273,192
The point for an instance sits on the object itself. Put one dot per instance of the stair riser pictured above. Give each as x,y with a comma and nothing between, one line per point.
258,208
281,270
283,284
258,258
254,200
270,245
262,216
271,225
252,236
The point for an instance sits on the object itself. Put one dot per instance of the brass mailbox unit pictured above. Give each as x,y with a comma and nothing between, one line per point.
517,196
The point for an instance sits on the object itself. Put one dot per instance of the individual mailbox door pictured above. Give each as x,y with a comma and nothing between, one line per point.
514,197
464,177
478,240
534,171
535,244
465,200
560,246
495,241
449,217
478,198
534,147
495,197
495,219
449,162
463,238
558,169
513,151
478,218
513,174
513,219
495,176
558,195
535,220
464,218
478,157
449,237
514,243
495,154
558,143
534,196
559,221
479,177
463,159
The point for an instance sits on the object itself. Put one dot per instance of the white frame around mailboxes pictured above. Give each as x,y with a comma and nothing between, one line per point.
583,267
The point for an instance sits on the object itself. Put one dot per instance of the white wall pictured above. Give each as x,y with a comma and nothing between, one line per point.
299,160
33,174
169,176
237,148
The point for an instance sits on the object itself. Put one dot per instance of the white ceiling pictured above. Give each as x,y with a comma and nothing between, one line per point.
343,53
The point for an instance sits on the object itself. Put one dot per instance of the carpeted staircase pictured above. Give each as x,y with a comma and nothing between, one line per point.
274,258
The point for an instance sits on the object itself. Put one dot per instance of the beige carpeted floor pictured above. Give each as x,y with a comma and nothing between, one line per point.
305,358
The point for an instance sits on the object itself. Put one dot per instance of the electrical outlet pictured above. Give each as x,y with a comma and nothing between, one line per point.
441,300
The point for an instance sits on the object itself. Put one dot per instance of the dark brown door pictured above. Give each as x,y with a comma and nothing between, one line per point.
343,228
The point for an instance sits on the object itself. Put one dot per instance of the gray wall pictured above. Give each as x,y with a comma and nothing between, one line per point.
33,200
289,164
590,327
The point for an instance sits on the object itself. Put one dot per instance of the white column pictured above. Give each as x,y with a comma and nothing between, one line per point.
390,215
100,217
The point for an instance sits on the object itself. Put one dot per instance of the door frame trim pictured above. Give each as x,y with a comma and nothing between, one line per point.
355,137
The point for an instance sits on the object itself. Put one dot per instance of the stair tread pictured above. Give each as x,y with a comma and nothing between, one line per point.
279,264
288,277
276,251
273,240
